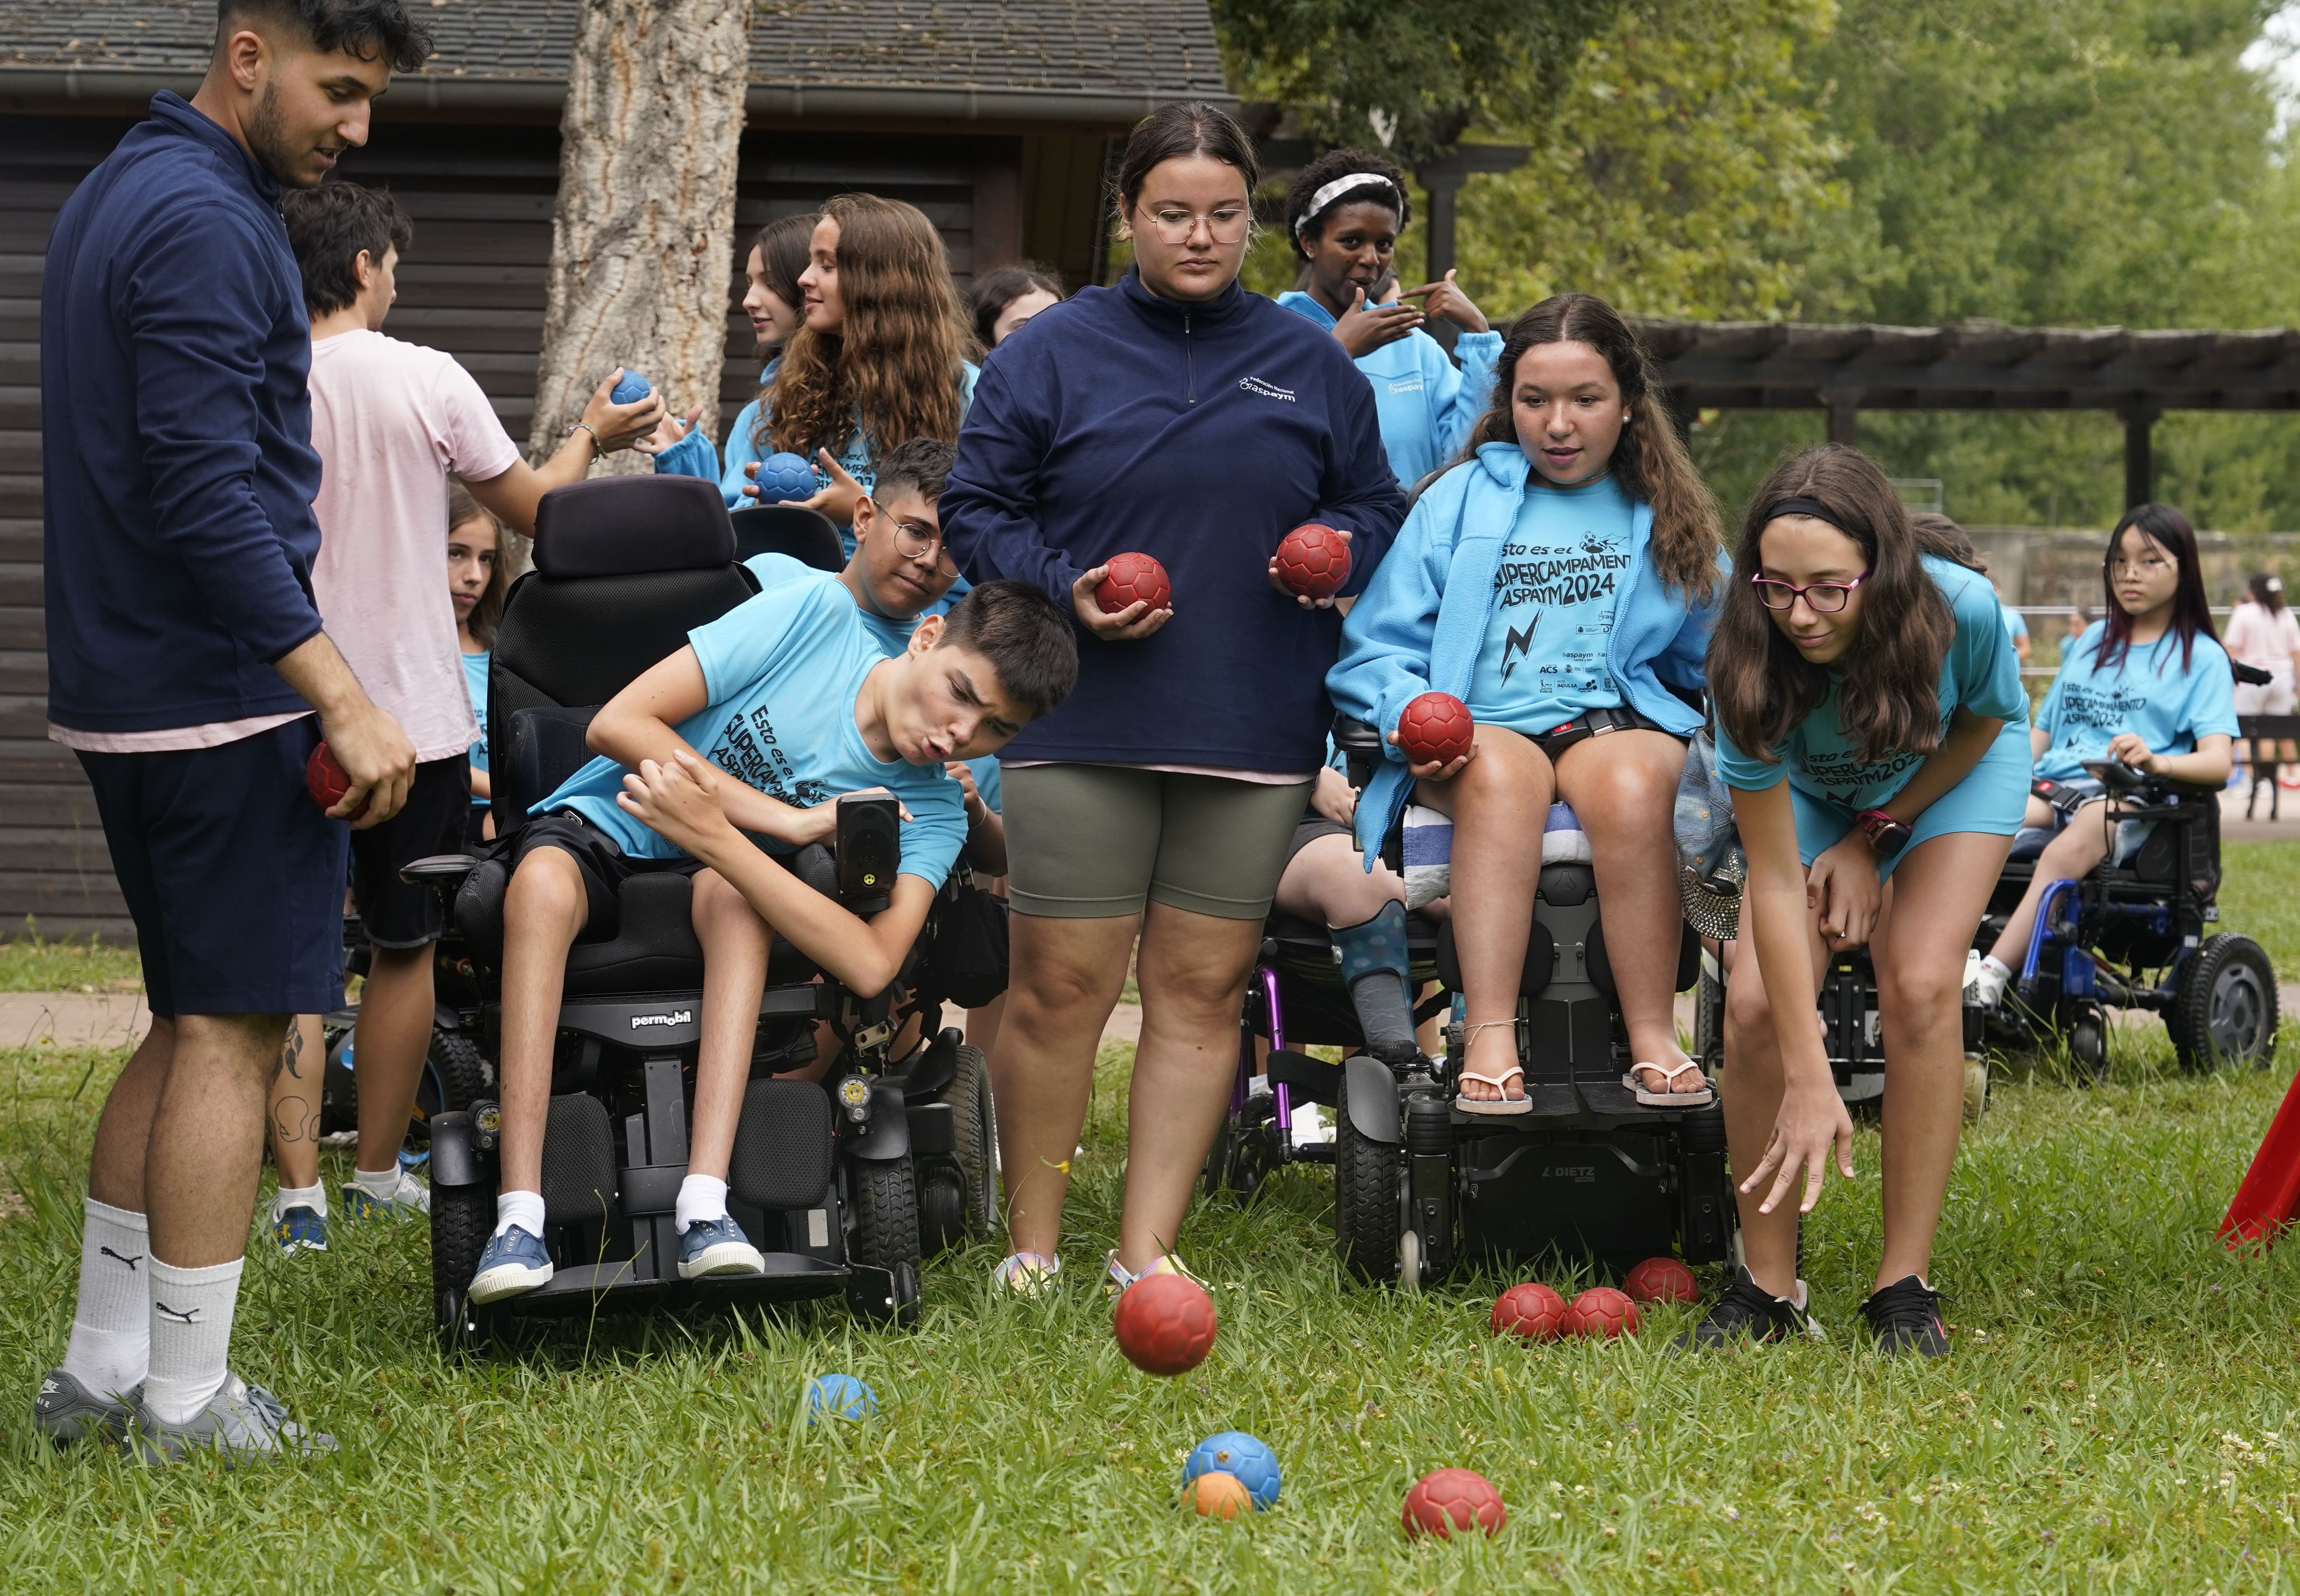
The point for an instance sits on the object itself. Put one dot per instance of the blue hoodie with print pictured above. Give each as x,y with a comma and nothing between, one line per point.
1426,406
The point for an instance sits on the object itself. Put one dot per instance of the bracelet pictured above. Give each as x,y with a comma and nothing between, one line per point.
1886,835
596,447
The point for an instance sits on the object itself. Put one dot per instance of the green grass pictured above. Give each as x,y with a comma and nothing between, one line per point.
33,964
2118,1413
2260,896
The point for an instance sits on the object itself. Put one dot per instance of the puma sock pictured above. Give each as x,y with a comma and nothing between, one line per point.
1375,967
381,1184
522,1209
701,1199
191,1337
1990,980
111,1327
315,1197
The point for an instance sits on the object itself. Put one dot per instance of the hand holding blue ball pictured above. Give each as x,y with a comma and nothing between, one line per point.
783,477
631,389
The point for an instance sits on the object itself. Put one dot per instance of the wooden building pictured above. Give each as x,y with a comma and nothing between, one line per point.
996,117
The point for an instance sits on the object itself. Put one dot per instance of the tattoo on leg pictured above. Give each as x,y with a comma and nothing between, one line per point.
291,1054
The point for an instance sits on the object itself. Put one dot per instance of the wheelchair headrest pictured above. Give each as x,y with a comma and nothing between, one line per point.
807,536
622,526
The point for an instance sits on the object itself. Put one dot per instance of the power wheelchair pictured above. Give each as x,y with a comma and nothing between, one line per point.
843,1185
1588,1175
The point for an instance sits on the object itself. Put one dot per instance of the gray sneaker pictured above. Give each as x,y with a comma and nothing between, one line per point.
67,1411
244,1423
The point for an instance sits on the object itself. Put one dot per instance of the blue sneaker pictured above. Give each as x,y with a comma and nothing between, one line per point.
512,1263
300,1230
716,1246
411,1198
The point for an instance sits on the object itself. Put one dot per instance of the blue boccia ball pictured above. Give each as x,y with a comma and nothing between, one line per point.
839,1396
785,476
1236,1453
631,389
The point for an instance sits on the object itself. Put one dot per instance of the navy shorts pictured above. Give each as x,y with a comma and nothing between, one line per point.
235,877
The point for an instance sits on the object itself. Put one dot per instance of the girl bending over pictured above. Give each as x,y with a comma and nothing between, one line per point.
1561,581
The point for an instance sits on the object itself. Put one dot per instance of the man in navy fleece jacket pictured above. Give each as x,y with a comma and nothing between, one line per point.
186,660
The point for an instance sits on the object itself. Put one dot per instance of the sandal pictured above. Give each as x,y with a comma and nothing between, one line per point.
1026,1273
1121,1277
1668,1099
1501,1105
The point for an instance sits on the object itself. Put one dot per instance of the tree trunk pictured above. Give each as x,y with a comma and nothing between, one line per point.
642,235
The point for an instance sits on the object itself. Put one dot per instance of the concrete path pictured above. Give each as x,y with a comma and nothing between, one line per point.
73,1019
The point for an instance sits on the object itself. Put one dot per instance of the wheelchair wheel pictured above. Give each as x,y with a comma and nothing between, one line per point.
456,1076
886,1238
942,1210
1365,1202
2088,1042
461,1219
2227,1010
1709,1017
975,1118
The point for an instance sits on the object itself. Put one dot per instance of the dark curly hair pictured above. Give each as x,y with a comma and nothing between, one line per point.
1384,185
331,227
369,29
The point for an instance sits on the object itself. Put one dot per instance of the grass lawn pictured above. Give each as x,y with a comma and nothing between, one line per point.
2260,896
33,964
2118,1413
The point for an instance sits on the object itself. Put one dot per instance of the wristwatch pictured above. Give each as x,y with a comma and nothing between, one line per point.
1887,836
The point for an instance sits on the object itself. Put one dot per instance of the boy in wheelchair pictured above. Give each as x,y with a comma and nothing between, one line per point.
2147,687
795,703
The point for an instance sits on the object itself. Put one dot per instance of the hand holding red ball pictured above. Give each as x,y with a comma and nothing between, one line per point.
1313,563
1437,736
1125,599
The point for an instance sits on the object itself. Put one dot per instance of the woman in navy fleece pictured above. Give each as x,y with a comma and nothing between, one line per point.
1178,415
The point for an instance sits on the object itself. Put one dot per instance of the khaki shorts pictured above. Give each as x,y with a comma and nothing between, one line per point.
1095,841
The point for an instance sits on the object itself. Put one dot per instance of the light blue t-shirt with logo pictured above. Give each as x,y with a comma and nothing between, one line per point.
475,678
2148,692
782,670
1981,673
1543,661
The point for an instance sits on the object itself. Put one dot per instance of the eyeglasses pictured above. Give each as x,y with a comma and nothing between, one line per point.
1824,599
2147,564
916,542
1227,223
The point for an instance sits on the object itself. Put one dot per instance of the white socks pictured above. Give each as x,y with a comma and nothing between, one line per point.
111,1327
191,1337
522,1209
701,1199
381,1184
315,1197
1989,981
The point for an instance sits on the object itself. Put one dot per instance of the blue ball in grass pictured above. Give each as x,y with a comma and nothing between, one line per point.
631,389
1236,1453
785,476
839,1396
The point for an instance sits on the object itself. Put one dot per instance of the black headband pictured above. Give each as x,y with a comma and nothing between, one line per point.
1803,506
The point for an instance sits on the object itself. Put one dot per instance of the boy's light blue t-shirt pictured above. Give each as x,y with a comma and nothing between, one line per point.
782,670
475,678
1543,661
2148,693
1981,673
2015,623
892,636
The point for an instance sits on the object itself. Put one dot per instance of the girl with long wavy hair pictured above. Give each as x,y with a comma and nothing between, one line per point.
2149,686
1561,579
1871,724
879,356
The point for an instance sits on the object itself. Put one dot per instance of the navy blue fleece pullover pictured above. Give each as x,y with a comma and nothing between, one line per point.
1200,434
176,437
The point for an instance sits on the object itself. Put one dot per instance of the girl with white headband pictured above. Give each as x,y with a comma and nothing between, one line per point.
1343,216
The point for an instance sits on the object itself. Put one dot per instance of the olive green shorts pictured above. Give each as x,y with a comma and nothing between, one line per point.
1094,842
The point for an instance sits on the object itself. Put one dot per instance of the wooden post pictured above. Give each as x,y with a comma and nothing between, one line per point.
2139,459
1844,416
642,236
1442,177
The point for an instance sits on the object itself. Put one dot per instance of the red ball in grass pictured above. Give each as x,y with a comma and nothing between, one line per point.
1218,1495
1600,1314
1131,578
1436,729
1661,1281
1450,1500
326,782
1314,561
1165,1324
1531,1312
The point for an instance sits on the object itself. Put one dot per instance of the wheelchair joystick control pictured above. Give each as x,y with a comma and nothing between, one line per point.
870,851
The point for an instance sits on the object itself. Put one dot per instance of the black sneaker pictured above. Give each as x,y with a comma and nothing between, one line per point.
1905,1318
1743,1311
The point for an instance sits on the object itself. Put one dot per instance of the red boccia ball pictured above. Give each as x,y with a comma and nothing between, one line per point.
1165,1324
1132,577
1436,729
1661,1280
1450,1500
1531,1312
1600,1314
1314,561
326,782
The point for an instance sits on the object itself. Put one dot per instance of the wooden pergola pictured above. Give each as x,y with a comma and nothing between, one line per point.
1977,365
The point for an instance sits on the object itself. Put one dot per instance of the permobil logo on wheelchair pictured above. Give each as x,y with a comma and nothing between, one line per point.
844,1184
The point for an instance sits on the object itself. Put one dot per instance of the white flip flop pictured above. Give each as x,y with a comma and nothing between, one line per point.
1504,1106
1668,1099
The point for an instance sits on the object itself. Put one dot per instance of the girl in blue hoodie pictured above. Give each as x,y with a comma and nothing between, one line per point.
1343,216
1561,583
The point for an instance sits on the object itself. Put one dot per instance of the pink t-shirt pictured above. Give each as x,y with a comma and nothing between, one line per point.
2257,637
390,421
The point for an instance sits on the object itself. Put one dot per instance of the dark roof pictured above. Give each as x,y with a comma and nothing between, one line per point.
1097,50
1977,365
